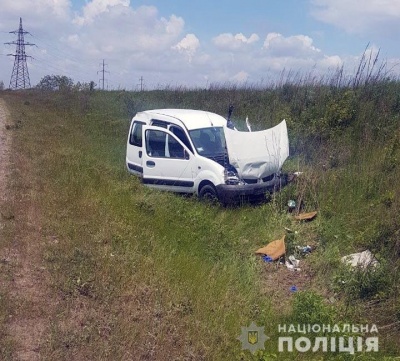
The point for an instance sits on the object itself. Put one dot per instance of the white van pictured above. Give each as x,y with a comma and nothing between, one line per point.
194,151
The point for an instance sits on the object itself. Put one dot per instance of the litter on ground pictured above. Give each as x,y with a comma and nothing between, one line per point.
361,259
305,250
274,249
291,205
306,216
292,264
267,258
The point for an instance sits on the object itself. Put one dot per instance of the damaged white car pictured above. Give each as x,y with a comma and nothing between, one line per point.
194,151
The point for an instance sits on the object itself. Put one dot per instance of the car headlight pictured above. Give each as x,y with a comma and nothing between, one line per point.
231,178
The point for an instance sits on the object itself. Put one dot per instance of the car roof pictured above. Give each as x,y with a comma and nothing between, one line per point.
192,119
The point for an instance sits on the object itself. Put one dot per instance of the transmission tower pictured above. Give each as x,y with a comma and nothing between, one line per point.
103,71
20,75
141,83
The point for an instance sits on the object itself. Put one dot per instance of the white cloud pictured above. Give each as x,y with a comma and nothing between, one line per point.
95,7
139,41
331,62
37,13
240,77
230,42
59,9
188,45
74,41
121,31
365,17
293,46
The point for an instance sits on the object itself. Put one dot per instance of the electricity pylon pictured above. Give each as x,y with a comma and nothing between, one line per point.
20,75
103,71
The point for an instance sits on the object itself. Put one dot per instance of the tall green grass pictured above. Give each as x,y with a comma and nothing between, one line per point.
142,273
139,272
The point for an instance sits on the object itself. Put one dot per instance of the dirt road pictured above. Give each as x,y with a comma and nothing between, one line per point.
4,149
24,278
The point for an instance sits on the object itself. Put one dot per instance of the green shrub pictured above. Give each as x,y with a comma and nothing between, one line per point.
363,283
310,308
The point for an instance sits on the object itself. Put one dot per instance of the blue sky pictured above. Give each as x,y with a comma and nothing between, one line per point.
197,43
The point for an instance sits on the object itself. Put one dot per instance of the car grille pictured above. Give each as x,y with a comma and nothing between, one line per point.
255,180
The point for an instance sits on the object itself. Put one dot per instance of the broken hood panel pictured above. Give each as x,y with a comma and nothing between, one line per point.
258,154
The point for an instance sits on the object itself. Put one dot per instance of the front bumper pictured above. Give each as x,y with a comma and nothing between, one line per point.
233,193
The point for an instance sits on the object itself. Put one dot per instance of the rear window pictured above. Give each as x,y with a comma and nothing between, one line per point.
135,137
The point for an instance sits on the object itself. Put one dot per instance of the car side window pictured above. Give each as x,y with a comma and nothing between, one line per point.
159,123
175,149
135,137
181,135
155,143
161,145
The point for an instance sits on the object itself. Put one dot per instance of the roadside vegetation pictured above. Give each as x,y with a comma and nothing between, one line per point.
140,274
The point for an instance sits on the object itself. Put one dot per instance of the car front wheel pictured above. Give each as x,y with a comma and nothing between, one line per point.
208,193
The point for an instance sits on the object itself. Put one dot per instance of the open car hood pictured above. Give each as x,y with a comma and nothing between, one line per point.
258,154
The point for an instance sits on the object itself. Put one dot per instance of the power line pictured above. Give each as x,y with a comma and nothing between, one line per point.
57,52
20,75
59,60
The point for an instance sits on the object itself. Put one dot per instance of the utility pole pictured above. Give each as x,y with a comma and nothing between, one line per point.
103,71
20,75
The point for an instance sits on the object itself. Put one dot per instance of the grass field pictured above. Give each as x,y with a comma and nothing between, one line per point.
130,273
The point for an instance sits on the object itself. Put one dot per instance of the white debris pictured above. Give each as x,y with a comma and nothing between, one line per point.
362,259
292,264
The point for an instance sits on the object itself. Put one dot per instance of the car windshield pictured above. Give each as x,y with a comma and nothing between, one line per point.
208,141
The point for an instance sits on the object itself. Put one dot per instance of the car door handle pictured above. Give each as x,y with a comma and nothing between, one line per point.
140,154
150,164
